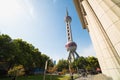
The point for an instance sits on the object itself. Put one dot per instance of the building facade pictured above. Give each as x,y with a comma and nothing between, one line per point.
102,20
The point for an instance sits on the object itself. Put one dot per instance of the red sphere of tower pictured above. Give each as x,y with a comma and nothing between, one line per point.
68,19
71,46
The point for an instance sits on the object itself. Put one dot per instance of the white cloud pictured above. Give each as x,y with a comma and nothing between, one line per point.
12,8
29,7
88,51
9,9
14,11
16,17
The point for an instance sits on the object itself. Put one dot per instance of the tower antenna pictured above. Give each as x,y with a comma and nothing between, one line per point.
67,12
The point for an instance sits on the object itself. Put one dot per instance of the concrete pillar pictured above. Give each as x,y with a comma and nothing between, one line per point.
104,29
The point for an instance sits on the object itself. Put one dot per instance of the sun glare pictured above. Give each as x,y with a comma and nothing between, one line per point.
9,8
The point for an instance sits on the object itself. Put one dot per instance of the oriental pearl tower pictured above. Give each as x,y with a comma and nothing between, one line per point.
71,46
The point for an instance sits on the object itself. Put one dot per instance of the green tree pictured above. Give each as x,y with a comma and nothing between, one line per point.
29,56
18,52
8,50
92,63
36,55
25,54
44,58
87,63
62,64
80,62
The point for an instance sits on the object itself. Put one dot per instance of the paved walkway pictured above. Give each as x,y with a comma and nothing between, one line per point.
94,77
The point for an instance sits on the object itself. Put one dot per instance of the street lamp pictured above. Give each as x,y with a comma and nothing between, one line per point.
46,63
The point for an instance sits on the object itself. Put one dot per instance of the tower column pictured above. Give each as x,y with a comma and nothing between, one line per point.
68,31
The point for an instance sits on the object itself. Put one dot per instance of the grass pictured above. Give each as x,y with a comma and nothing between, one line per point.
39,77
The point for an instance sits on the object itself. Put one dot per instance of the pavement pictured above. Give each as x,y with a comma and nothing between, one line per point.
93,77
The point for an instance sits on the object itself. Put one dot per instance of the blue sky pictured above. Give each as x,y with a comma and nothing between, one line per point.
41,23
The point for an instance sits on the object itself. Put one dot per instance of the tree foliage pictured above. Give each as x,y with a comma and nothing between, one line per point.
80,62
43,60
62,64
7,51
28,55
86,63
15,52
92,63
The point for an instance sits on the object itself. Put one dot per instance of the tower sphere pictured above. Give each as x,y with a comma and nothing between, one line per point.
68,19
71,46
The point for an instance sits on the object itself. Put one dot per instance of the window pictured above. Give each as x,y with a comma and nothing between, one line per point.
67,30
68,34
68,38
67,27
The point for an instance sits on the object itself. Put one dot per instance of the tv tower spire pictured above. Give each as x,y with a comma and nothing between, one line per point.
70,45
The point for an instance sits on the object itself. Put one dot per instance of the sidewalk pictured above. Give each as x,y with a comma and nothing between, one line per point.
94,77
100,77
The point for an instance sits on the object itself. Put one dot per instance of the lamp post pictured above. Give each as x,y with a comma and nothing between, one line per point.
46,63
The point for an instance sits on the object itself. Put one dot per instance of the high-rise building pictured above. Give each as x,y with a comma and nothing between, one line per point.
102,20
